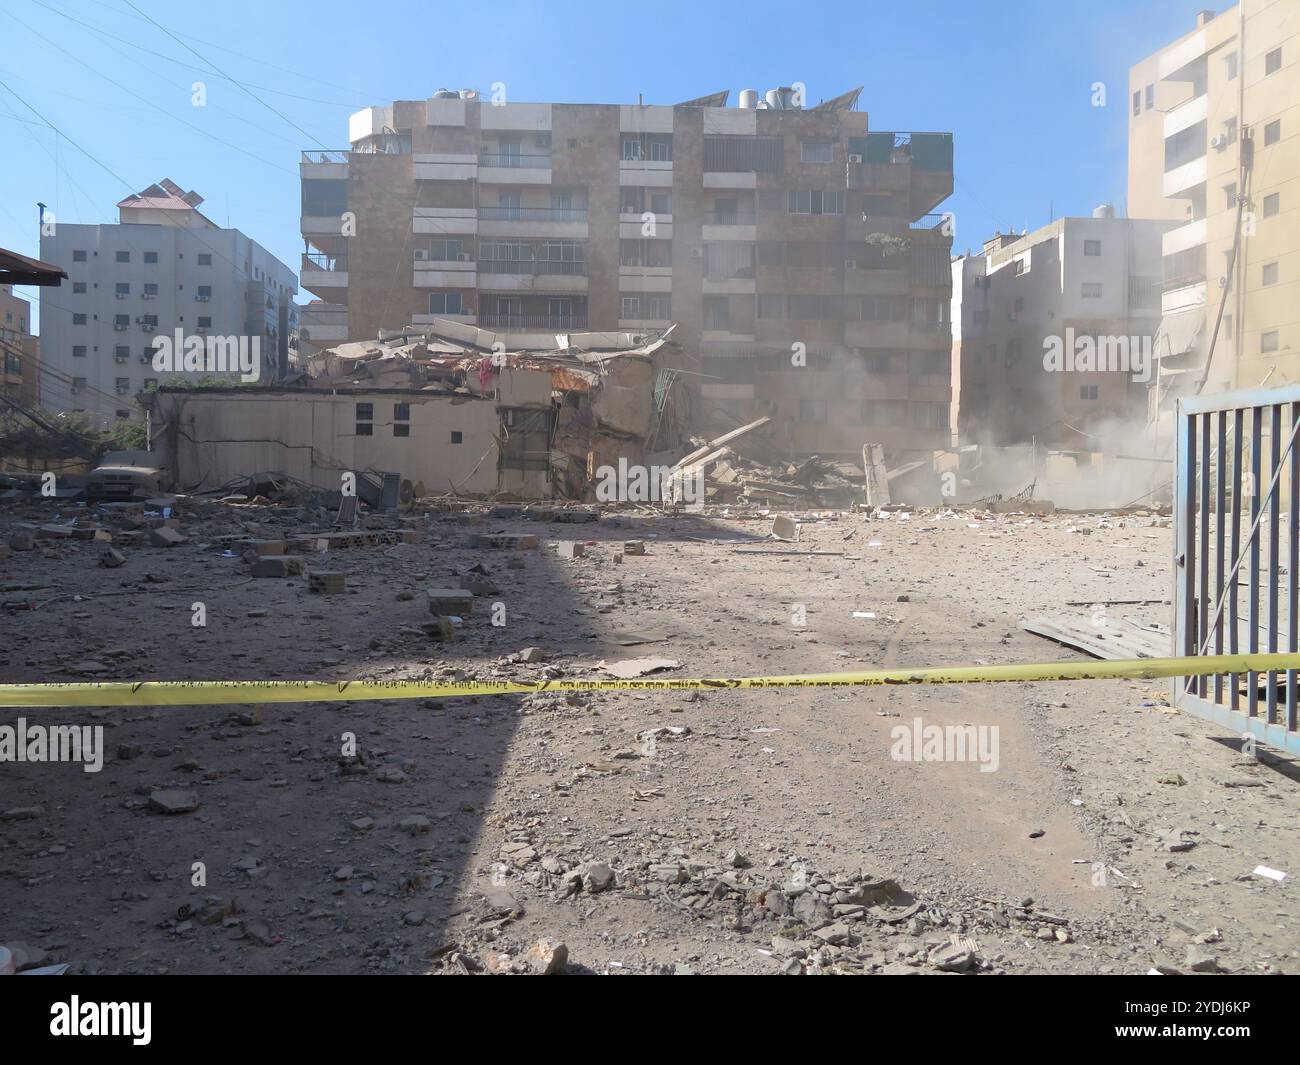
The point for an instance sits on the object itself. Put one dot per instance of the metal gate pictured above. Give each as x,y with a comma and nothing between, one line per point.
1236,552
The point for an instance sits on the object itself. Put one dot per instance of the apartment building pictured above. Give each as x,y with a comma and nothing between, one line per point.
1214,145
164,266
19,349
1086,288
796,250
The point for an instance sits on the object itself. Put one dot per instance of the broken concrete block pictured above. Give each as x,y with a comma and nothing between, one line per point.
546,957
22,541
477,584
326,582
784,528
440,629
266,547
110,558
570,549
507,541
173,801
447,602
634,547
531,655
166,536
277,566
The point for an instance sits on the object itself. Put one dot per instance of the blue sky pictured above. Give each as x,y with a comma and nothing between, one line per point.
1012,79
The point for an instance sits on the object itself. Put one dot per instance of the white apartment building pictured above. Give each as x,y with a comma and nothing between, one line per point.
164,266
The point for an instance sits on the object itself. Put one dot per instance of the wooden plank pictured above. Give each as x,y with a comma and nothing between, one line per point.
1119,638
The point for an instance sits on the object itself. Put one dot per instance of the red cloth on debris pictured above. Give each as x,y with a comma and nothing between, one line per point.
485,372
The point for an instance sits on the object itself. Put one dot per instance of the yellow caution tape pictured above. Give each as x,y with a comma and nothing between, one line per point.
214,692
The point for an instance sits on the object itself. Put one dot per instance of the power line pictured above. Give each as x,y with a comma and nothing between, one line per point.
217,70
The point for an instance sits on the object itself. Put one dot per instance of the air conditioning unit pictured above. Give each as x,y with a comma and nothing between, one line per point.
421,255
147,296
121,295
203,299
1218,142
850,264
145,360
855,158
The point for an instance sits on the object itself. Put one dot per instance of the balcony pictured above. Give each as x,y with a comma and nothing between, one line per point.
630,224
503,221
523,322
508,168
739,224
1183,178
919,164
1184,237
321,272
549,275
323,164
444,221
321,324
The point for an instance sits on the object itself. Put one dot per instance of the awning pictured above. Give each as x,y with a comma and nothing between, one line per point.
1179,333
18,269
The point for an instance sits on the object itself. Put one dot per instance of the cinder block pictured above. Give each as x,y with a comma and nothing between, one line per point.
634,547
570,549
166,536
277,566
445,602
326,582
506,541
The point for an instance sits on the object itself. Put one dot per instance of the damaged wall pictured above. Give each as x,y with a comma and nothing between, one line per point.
215,437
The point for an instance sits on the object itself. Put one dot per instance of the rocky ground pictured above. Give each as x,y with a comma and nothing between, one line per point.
748,831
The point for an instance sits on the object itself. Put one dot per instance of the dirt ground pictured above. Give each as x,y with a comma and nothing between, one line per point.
775,834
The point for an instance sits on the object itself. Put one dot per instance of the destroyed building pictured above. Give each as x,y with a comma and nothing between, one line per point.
445,407
793,246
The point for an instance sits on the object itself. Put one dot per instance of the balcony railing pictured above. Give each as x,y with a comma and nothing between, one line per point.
512,161
531,266
577,320
1181,281
745,216
325,157
316,260
533,214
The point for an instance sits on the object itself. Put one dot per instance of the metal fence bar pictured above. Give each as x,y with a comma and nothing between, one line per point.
1203,597
1234,621
1220,493
1274,568
1293,580
1252,613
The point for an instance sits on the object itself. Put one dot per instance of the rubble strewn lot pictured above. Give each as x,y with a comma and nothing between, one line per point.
764,831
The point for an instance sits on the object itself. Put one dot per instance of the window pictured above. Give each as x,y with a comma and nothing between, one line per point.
1230,196
401,429
401,412
205,321
445,303
930,415
1088,392
122,352
147,321
365,419
876,362
815,201
1230,65
122,385
631,148
1272,204
1020,267
1269,274
123,257
447,251
1272,132
79,351
78,288
78,319
457,437
1092,290
812,411
770,305
151,256
1227,327
743,153
1268,341
203,294
631,307
1273,62
1137,102
661,308
661,203
78,256
818,151
1092,247
122,289
883,309
150,289
717,312
1230,129
205,259
121,321
1184,146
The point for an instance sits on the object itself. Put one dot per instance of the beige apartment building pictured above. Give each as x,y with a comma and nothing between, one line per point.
796,250
19,349
1214,146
